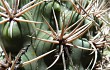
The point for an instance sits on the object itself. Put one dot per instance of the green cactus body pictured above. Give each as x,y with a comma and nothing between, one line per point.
41,48
75,53
45,9
14,35
29,55
55,31
48,13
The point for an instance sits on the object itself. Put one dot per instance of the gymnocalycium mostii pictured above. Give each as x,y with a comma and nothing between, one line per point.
58,40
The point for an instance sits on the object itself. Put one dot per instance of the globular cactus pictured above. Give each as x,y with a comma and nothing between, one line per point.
69,34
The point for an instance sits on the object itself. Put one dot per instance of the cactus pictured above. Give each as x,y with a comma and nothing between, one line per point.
52,34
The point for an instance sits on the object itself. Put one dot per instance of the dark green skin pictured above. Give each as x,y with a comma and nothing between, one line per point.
48,13
17,39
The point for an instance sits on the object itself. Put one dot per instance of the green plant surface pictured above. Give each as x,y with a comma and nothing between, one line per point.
53,34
